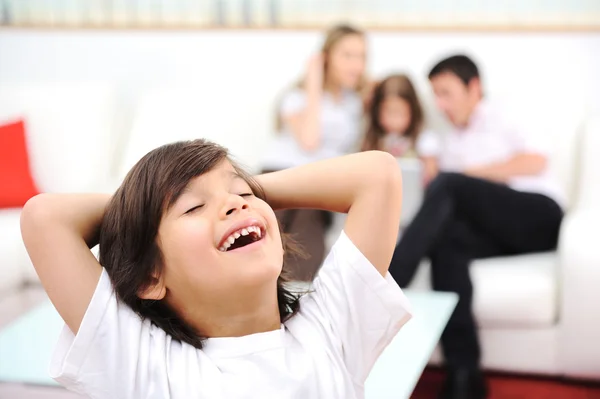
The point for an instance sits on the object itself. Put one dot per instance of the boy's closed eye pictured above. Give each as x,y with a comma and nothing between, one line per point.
192,209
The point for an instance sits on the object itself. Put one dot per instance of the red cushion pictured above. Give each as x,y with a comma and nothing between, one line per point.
16,183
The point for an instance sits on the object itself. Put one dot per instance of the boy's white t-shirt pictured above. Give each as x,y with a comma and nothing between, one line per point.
325,351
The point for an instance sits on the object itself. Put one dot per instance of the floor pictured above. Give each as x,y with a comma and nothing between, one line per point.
11,306
16,391
502,386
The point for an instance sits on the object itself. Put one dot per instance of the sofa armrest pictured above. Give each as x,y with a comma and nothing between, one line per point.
579,253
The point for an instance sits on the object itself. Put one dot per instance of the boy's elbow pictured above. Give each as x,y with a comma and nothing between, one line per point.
387,172
34,214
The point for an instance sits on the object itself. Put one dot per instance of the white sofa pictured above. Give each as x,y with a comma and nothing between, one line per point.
538,313
68,127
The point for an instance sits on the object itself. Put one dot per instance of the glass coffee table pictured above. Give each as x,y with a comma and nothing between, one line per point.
27,344
401,364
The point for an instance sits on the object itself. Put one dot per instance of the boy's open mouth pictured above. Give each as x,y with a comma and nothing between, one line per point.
242,237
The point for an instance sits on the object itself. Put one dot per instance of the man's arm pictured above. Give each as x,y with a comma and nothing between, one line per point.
525,164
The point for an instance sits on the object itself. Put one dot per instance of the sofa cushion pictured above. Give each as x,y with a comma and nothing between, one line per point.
16,183
12,271
69,130
512,291
164,115
589,189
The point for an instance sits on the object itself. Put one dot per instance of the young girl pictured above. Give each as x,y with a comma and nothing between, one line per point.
317,120
189,298
396,123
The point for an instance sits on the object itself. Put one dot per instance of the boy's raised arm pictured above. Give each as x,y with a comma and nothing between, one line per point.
367,186
58,230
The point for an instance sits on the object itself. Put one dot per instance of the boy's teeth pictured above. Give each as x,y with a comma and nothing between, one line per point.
243,232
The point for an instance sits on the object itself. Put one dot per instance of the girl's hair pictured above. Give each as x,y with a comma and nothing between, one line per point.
128,237
333,36
393,86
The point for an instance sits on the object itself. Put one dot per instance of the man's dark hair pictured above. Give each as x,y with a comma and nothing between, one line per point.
460,65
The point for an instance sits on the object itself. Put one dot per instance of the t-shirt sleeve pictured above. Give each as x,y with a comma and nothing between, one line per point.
428,144
111,354
293,102
364,310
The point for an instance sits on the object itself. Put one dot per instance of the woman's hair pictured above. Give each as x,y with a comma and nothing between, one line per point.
332,37
398,86
128,237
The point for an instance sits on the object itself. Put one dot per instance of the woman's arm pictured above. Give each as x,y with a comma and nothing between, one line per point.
306,124
58,231
367,186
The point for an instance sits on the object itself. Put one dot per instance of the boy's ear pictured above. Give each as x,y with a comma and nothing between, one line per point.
155,290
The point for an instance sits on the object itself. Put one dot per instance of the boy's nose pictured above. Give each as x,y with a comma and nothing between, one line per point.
234,205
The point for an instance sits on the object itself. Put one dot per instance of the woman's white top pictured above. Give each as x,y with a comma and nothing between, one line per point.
340,130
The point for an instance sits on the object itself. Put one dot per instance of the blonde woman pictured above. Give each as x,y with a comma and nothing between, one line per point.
319,119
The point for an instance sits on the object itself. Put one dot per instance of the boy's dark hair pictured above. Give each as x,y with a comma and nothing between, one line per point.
393,86
460,65
128,247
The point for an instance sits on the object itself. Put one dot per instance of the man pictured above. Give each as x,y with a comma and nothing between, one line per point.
493,196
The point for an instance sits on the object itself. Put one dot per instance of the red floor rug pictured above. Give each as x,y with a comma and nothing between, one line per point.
503,386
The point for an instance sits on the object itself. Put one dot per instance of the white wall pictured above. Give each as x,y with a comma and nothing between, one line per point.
555,76
559,63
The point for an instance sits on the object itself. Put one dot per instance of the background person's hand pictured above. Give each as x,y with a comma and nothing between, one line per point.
315,72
